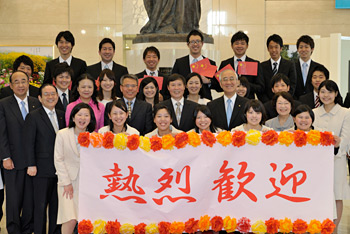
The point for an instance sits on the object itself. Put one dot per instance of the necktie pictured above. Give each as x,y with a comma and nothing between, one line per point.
65,101
274,70
53,122
106,67
178,112
229,111
129,109
304,71
23,110
194,60
317,101
238,60
152,73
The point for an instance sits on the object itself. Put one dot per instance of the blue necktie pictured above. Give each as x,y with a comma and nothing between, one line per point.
304,71
106,67
238,60
23,110
229,112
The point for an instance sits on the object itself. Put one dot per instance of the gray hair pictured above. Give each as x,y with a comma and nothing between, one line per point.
129,76
220,75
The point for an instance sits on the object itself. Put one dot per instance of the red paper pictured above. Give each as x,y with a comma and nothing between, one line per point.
204,68
159,80
247,68
228,66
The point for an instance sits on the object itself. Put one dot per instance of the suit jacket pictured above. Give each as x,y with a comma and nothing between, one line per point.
285,67
308,99
218,111
39,141
186,120
182,67
119,70
257,84
300,87
59,105
78,66
347,100
7,91
164,91
12,129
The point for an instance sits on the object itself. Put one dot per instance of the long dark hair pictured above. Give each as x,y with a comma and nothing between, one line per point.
205,110
331,86
91,126
143,84
121,105
94,94
110,75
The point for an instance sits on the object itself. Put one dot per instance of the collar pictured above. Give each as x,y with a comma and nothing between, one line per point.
182,100
68,60
91,102
233,98
334,110
20,100
315,94
243,58
273,61
148,72
301,63
60,93
132,101
110,65
199,58
48,111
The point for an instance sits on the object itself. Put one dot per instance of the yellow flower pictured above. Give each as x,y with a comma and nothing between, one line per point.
314,226
152,228
127,228
285,138
224,138
313,137
168,142
194,139
259,227
145,143
99,226
204,223
253,137
230,224
286,225
119,141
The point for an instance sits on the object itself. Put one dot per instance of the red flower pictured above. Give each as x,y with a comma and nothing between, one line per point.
327,226
269,137
181,140
108,138
208,138
327,139
156,143
243,225
112,227
216,223
133,142
164,227
300,138
140,228
272,225
84,139
191,226
238,138
85,227
299,226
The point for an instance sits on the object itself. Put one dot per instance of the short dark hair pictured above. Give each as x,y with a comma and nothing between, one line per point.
143,84
279,77
110,74
258,107
121,105
45,85
194,32
104,41
61,68
286,96
174,77
159,107
301,109
188,77
94,94
331,86
239,36
25,60
66,35
16,72
205,110
307,40
151,49
275,38
244,82
91,126
322,69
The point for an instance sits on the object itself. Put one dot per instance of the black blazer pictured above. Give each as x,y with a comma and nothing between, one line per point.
301,88
186,121
182,67
119,70
285,67
78,66
59,105
7,91
257,84
218,112
308,99
39,141
164,91
12,129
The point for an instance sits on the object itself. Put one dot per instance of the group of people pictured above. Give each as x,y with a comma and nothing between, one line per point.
38,138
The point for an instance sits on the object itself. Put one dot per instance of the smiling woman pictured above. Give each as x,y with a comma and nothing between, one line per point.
194,89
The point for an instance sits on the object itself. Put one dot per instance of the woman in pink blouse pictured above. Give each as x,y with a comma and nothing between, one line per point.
86,92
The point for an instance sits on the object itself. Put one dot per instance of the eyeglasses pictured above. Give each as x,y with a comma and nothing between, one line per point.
22,82
130,86
193,42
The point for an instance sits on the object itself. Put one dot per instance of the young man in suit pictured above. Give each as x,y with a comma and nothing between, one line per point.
182,65
106,50
19,190
239,45
65,42
151,57
276,64
40,130
228,110
62,77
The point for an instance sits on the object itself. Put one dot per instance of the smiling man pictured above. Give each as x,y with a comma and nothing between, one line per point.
62,77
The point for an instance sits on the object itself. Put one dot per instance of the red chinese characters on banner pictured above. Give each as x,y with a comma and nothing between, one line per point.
225,184
284,180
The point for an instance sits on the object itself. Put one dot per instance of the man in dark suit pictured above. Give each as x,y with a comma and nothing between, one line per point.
62,76
228,110
19,190
304,65
151,57
182,65
40,130
25,64
106,51
239,45
276,64
180,108
65,42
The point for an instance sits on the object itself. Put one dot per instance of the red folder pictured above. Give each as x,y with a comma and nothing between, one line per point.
247,68
204,68
159,80
228,66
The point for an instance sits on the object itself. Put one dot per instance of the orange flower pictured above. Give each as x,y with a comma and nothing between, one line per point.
217,223
327,226
193,139
238,138
108,138
204,223
208,138
181,140
84,139
177,227
285,138
243,225
272,225
140,228
269,137
168,142
286,225
313,137
96,139
112,227
191,226
327,139
164,227
299,138
230,224
85,227
314,226
133,142
224,138
156,143
299,226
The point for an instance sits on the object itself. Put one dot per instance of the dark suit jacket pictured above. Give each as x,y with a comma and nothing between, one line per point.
119,70
271,111
182,67
285,67
59,105
308,99
39,141
164,91
347,100
218,111
186,121
78,66
7,91
12,128
257,84
301,88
